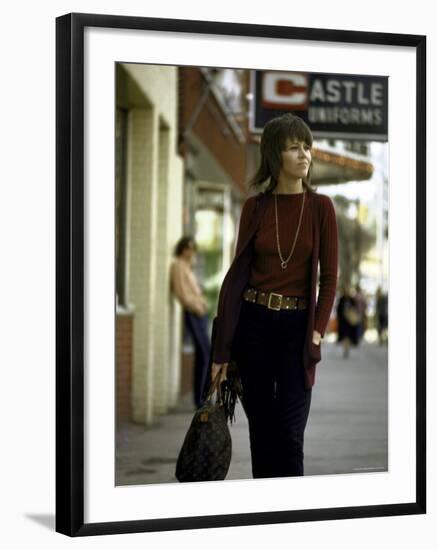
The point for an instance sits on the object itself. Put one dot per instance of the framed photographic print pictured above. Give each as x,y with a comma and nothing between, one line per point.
164,128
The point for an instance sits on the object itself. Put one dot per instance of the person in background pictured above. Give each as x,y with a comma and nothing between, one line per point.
188,292
381,315
360,298
349,319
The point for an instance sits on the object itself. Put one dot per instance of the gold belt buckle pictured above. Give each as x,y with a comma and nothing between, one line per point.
280,301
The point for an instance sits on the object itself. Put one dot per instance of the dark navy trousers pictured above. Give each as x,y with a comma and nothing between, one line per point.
198,329
268,347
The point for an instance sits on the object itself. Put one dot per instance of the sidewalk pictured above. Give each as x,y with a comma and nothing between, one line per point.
346,430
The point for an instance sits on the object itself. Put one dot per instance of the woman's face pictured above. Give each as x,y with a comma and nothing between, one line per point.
189,251
296,158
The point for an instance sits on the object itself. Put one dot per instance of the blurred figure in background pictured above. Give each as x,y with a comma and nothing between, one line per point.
381,315
187,290
349,319
362,308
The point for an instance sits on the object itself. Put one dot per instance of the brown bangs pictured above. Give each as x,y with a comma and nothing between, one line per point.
294,129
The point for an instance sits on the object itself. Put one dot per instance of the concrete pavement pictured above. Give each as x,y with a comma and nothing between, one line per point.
346,430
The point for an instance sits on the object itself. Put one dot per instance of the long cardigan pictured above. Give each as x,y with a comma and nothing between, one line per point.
237,277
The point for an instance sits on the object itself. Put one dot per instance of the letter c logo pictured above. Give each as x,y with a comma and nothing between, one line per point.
284,90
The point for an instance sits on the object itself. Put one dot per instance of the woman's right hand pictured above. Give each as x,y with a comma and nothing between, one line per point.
215,369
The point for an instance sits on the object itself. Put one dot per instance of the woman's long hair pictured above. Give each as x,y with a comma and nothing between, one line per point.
273,142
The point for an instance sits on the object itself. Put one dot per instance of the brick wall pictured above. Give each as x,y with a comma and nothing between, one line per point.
123,362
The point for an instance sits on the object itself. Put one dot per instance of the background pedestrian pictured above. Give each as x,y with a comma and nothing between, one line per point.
187,290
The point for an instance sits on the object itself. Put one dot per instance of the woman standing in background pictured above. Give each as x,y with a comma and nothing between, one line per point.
186,289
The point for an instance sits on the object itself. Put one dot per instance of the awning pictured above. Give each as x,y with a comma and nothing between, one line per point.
335,167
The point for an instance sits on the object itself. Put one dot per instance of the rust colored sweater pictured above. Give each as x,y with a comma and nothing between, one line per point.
267,273
324,250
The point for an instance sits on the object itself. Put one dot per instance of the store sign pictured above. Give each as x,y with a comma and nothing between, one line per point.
333,105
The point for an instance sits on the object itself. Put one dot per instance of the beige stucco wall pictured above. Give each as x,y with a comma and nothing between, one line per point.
154,222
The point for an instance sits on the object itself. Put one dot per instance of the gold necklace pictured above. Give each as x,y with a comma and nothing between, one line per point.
284,263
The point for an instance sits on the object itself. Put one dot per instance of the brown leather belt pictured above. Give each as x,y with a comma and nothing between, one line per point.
275,301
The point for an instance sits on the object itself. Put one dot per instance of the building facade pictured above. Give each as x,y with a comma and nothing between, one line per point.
148,212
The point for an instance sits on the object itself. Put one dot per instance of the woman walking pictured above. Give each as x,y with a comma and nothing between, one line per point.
268,320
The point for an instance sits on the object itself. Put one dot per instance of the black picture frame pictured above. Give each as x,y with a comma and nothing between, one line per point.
70,272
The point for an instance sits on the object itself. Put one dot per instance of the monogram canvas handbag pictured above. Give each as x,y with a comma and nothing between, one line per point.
207,448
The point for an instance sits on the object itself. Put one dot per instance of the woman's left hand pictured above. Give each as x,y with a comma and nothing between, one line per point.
317,337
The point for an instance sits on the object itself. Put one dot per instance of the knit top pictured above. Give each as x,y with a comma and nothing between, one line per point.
266,271
295,280
323,282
